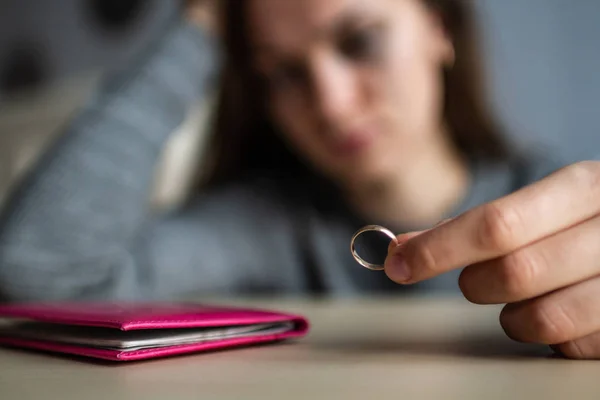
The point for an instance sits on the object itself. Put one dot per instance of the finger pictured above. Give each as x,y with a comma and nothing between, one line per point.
558,317
585,348
401,239
405,237
561,260
442,222
561,200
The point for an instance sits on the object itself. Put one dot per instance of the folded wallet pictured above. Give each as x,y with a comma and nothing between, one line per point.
134,331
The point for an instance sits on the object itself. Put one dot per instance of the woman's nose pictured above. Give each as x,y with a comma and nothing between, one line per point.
335,90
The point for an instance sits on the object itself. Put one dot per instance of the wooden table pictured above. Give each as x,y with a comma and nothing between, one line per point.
357,349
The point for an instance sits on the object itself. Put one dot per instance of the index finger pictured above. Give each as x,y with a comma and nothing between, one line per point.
565,198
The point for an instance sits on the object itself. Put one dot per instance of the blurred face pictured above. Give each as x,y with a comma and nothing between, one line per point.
354,85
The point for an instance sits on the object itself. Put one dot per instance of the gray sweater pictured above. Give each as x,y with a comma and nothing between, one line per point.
79,227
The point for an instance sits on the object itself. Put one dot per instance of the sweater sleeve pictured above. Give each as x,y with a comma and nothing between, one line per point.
70,229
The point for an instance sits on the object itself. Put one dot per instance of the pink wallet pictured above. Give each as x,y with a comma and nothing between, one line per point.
134,331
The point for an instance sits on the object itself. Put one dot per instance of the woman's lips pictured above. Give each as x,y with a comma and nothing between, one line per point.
353,143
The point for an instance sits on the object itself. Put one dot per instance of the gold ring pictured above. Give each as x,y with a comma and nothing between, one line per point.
369,228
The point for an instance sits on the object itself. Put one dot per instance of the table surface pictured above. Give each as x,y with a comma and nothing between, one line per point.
357,349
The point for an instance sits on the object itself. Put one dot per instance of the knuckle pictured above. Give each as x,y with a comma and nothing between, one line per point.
498,227
519,272
551,323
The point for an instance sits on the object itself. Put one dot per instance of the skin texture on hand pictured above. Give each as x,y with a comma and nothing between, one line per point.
535,250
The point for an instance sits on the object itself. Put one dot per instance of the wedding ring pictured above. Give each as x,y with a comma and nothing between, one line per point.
369,228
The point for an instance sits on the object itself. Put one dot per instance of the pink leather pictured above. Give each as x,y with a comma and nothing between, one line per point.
132,316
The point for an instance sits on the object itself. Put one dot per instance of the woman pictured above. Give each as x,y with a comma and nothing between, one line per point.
382,102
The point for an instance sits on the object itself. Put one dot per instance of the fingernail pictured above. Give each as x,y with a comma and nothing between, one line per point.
397,269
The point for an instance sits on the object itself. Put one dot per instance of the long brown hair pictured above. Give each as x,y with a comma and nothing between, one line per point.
245,141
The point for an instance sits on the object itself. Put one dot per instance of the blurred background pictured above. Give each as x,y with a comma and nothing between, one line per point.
542,54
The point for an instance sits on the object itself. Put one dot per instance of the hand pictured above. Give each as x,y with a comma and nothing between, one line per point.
538,250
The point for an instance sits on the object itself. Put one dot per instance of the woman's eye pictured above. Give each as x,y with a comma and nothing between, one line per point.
361,44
